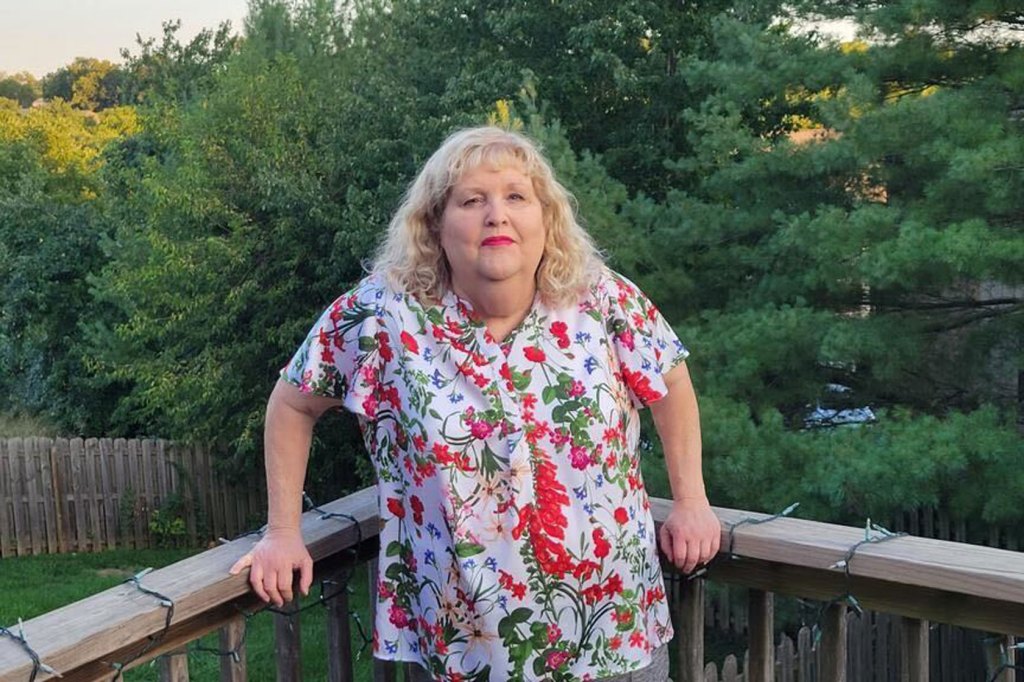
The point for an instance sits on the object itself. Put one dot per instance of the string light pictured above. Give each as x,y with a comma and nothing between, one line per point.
37,663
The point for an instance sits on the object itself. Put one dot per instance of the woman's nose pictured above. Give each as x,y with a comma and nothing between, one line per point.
496,214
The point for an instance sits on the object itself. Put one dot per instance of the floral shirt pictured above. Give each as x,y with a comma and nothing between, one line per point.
517,541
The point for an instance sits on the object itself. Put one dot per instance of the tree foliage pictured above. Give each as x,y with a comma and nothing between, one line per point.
827,225
23,88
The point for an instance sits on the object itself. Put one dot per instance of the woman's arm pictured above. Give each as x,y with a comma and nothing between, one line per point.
691,534
288,432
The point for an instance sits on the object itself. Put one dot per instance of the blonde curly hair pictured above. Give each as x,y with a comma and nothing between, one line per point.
410,257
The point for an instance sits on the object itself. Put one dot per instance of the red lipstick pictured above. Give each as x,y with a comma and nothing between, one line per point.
497,241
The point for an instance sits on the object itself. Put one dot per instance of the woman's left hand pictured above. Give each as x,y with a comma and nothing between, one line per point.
691,534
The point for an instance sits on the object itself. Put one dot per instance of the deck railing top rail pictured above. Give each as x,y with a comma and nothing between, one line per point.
937,580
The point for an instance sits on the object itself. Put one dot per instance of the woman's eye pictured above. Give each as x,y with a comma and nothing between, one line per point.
515,196
471,201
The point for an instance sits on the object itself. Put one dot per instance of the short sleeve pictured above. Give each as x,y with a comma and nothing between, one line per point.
646,345
341,356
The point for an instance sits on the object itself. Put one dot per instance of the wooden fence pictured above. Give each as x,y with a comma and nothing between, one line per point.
75,495
874,651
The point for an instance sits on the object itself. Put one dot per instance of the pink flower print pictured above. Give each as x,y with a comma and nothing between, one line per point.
481,429
579,457
398,617
576,389
556,659
626,337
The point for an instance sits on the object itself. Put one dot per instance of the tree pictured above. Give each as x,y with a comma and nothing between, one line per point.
22,87
85,83
174,71
49,242
878,264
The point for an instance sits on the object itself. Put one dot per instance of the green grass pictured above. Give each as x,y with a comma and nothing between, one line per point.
34,585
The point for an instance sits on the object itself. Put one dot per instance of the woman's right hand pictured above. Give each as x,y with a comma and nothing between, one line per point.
273,561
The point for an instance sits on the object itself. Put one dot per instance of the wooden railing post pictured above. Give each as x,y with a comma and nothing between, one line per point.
914,634
174,666
339,636
761,618
833,644
288,643
690,639
233,667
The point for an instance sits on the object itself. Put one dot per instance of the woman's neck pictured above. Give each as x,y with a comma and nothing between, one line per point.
501,305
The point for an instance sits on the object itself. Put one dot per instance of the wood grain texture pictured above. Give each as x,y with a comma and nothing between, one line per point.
967,585
915,650
231,638
690,631
761,615
97,628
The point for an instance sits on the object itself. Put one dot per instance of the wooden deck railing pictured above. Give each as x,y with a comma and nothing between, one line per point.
920,579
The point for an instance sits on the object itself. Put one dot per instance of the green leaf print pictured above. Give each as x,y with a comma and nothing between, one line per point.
467,549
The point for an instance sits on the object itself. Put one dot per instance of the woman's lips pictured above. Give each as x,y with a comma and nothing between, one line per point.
497,241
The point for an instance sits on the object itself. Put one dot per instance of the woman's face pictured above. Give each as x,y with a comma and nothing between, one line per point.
492,229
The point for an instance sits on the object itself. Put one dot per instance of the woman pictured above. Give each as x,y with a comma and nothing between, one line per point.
497,367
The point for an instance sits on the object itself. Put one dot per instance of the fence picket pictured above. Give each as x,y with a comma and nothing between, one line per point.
22,532
94,493
108,501
6,518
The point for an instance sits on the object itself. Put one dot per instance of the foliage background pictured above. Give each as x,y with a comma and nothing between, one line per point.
827,225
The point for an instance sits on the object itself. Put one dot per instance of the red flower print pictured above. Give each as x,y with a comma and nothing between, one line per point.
637,639
621,515
613,585
558,330
507,582
384,346
640,384
409,342
584,569
396,507
534,354
370,406
417,509
592,594
615,643
601,545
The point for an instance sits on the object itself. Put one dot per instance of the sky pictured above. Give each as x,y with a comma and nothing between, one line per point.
39,36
